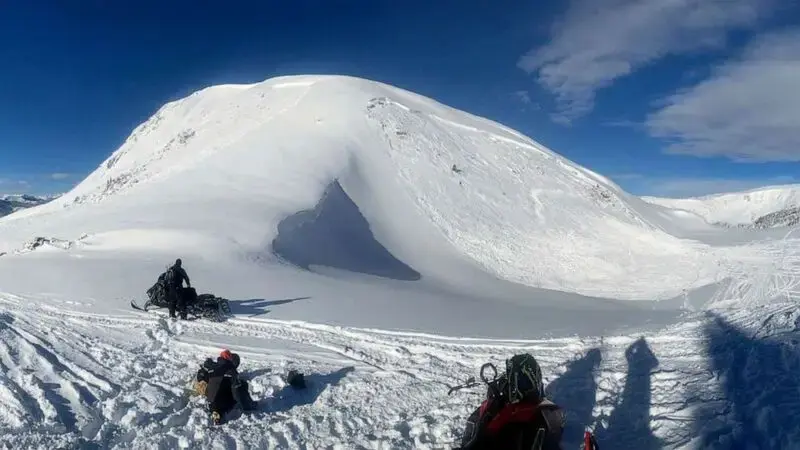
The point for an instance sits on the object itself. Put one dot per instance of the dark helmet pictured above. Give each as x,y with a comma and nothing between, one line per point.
178,262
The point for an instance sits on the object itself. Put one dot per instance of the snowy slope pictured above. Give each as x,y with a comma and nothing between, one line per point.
76,379
387,246
737,208
450,195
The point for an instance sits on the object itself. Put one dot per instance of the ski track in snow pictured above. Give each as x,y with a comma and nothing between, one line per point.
463,201
72,379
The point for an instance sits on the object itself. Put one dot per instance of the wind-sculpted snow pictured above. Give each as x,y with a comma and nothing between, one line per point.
453,197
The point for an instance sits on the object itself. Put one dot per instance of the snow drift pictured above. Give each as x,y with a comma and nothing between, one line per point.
446,195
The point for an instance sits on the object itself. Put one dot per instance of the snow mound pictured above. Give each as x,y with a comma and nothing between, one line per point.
738,208
448,195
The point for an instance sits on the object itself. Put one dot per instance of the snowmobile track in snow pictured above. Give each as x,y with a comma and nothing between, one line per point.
73,379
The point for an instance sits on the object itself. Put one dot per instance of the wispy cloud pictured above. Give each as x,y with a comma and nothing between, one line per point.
748,110
696,187
523,96
60,176
599,41
5,181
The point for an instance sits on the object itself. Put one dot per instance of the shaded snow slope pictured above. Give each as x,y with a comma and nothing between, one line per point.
448,196
737,208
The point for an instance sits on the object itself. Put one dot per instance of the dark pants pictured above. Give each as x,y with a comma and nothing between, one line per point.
176,301
223,396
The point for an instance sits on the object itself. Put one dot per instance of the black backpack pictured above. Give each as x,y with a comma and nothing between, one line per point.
523,379
520,385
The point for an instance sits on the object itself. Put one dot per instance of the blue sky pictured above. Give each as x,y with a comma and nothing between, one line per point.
684,98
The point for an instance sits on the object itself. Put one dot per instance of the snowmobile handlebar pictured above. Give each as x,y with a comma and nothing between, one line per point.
484,378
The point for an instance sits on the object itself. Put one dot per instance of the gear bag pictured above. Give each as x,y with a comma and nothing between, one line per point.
515,406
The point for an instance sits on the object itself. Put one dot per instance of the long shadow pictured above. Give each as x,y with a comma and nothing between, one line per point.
289,397
336,234
576,392
629,423
259,306
760,380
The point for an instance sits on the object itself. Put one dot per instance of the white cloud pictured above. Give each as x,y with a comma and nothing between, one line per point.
695,187
60,176
523,96
748,110
598,41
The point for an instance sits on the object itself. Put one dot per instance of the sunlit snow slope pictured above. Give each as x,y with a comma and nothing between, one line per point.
448,195
386,246
736,208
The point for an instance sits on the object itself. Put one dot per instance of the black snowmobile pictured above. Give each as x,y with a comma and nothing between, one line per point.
207,306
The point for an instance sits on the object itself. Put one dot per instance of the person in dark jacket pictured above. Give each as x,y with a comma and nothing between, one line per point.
220,383
176,275
516,415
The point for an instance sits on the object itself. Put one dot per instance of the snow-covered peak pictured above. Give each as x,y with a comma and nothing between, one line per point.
447,193
737,208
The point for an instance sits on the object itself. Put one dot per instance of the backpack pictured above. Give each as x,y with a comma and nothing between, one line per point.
523,379
169,277
515,408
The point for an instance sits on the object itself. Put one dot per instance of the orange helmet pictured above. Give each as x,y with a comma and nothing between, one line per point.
226,354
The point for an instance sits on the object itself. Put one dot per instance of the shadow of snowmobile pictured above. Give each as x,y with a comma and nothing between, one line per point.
206,306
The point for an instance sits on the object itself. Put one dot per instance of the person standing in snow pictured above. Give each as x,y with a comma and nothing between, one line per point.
174,280
219,382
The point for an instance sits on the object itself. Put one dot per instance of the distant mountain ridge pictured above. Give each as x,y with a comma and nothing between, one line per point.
767,207
15,202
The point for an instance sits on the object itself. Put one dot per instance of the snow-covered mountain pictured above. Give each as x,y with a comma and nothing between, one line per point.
421,174
387,246
738,208
11,203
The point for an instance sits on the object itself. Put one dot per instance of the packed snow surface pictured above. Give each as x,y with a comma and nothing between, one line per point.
386,246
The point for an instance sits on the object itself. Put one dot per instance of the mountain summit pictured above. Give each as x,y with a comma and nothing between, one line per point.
446,194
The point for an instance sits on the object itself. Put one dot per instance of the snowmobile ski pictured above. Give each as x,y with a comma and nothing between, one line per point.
136,306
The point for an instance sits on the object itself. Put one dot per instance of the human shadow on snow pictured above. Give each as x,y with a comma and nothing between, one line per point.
258,306
316,383
629,422
575,391
760,379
